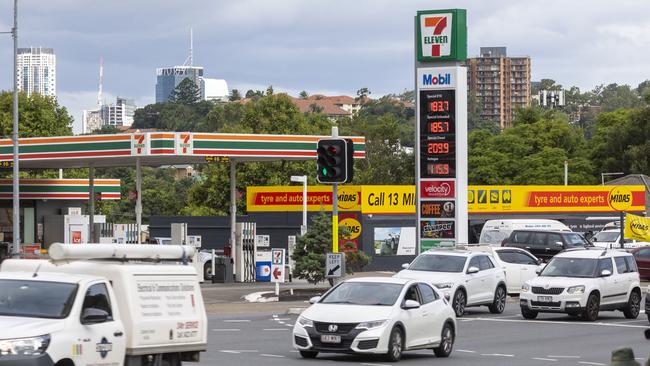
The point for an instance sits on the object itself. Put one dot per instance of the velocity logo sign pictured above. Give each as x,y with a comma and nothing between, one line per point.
436,35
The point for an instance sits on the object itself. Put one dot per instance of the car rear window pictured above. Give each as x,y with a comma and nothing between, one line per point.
631,263
621,265
438,263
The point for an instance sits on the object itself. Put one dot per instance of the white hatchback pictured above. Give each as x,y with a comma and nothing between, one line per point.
467,278
376,315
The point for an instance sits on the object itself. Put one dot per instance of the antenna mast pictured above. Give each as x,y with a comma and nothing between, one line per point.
191,47
101,82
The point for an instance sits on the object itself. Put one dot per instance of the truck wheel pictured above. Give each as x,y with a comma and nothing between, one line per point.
207,271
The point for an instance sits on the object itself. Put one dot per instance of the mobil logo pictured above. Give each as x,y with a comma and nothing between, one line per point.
438,189
440,79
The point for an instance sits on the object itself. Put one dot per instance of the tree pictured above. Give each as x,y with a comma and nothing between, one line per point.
614,96
363,93
234,95
312,248
303,95
106,130
315,108
254,94
38,116
186,93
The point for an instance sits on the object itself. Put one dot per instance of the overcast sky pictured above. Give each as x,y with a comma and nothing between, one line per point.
330,47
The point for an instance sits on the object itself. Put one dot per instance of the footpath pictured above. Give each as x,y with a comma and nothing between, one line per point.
230,298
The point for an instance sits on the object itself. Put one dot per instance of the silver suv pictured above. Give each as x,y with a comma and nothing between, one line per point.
582,283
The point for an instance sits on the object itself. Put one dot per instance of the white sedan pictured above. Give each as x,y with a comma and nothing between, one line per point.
377,315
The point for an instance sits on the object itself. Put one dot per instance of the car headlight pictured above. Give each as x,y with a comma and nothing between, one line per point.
372,324
443,286
576,290
305,322
24,346
525,287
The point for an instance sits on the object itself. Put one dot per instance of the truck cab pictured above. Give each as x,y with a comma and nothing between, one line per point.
73,310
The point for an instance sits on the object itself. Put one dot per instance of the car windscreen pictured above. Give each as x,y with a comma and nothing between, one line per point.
36,299
493,237
570,267
363,293
576,240
438,263
607,236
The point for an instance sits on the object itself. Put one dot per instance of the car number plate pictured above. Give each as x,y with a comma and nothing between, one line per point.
545,298
330,339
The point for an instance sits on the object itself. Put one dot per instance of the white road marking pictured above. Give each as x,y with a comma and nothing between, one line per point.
274,329
553,356
268,355
544,359
226,330
228,351
237,321
239,351
497,355
280,319
289,325
559,322
374,364
591,363
465,351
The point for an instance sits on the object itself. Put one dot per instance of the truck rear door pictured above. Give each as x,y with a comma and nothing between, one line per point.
103,338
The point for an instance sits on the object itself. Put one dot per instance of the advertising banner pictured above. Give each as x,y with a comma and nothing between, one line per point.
388,199
637,227
289,198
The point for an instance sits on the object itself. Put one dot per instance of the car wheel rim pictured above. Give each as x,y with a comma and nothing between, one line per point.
447,340
397,345
636,304
501,299
593,308
460,303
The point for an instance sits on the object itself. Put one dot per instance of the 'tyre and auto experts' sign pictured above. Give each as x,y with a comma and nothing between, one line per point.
532,199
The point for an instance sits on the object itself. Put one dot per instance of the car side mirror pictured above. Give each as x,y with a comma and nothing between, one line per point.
472,269
314,299
94,316
405,265
605,273
559,243
539,262
410,304
539,269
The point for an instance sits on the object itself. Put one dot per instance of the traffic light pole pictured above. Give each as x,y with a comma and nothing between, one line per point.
335,207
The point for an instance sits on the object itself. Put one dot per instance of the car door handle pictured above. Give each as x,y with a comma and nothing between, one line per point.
424,313
118,334
528,248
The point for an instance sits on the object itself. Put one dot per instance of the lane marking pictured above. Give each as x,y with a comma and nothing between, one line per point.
591,363
239,351
226,330
497,355
544,359
228,351
553,356
269,355
559,322
465,351
274,329
373,364
237,321
280,319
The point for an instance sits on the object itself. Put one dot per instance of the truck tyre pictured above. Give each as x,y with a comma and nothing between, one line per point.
631,311
207,271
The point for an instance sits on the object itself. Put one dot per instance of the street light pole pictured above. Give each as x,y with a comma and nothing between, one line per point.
303,179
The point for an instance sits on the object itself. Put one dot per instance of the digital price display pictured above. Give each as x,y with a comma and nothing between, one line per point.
437,134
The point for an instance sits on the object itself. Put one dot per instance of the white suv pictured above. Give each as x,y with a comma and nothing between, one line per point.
583,282
467,278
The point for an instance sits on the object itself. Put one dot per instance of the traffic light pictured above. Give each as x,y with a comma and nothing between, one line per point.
335,160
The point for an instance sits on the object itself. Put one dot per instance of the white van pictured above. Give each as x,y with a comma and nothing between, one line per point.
611,239
108,304
494,231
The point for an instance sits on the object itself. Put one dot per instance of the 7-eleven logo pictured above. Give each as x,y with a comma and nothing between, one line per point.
184,143
436,35
138,143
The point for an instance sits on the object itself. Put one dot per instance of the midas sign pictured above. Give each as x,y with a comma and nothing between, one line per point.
637,227
527,199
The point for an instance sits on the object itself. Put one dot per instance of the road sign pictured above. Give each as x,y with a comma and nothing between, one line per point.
262,240
334,265
277,265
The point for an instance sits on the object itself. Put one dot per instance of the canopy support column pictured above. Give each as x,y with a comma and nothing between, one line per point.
91,203
233,213
138,200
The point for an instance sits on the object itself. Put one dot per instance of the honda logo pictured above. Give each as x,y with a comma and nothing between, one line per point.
333,328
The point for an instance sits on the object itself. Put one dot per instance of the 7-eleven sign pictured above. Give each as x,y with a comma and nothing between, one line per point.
140,144
442,35
183,143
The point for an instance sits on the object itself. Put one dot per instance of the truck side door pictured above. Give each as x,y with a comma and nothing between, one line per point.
104,341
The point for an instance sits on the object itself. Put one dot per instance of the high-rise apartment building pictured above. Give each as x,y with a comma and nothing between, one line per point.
499,83
36,71
118,114
168,78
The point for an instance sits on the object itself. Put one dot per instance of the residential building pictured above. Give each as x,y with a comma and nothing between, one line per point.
168,78
499,83
36,71
119,114
333,107
91,121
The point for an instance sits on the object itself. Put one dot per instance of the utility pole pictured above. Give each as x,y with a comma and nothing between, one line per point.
16,194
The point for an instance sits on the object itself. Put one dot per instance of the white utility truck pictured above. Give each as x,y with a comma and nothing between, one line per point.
102,304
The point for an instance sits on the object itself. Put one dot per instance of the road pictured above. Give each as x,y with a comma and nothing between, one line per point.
484,339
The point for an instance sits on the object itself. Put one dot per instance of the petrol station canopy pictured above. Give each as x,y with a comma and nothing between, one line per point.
161,148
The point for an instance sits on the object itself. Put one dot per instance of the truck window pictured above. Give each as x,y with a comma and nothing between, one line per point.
26,298
97,298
